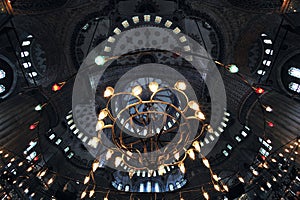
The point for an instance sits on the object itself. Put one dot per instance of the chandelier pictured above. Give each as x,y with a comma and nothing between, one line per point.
154,131
152,117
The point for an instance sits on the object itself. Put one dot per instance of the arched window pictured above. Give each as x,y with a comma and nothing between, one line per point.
295,72
294,87
127,188
156,187
2,74
141,187
2,89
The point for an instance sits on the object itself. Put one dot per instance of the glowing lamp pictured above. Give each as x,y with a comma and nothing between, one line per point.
206,196
191,154
196,145
38,107
241,179
181,167
205,162
194,105
83,194
233,69
100,125
226,188
269,109
102,115
270,124
86,180
153,86
33,126
95,165
200,115
92,192
100,60
180,85
217,187
259,90
137,90
109,91
215,177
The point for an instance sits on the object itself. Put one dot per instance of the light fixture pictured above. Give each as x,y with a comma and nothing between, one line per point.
86,180
137,90
194,105
233,68
144,111
153,86
100,60
108,92
180,85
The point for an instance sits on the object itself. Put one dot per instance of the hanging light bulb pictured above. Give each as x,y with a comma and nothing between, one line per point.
270,124
206,196
92,192
86,180
255,172
200,115
194,105
259,90
233,69
29,169
100,125
196,145
100,60
181,167
118,161
191,154
153,86
109,91
95,165
217,187
102,115
180,85
20,164
83,194
57,86
226,188
50,181
205,162
268,109
38,107
43,173
105,198
215,177
137,90
34,125
241,179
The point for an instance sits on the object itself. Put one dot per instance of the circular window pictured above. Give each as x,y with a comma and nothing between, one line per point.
7,79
